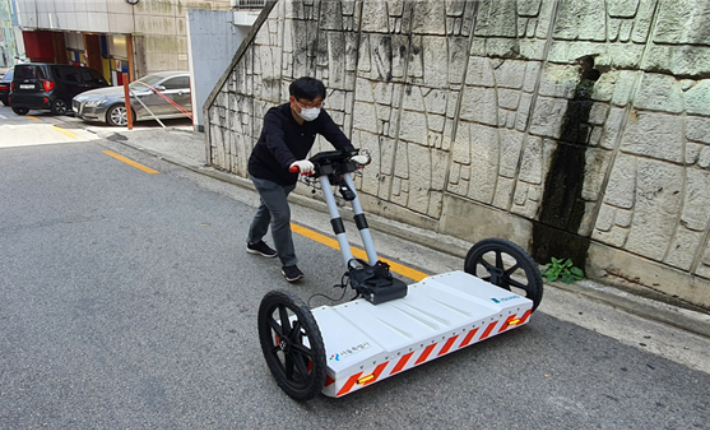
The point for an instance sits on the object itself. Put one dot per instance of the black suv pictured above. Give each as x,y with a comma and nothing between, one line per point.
50,86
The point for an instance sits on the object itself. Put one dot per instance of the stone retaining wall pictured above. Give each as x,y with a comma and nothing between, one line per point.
577,128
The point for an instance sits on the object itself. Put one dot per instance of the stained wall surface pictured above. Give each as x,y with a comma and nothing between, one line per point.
576,128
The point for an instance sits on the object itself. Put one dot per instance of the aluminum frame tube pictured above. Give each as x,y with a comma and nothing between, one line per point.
365,232
334,214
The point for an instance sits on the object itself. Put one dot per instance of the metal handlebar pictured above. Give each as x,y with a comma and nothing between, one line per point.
327,163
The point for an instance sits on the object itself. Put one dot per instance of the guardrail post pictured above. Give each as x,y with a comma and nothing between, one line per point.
129,112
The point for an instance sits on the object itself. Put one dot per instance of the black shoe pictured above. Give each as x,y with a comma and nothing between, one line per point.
260,248
292,273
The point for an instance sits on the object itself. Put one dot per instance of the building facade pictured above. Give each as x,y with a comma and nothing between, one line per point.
9,48
576,128
136,37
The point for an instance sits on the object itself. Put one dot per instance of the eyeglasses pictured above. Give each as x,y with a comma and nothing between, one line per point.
310,105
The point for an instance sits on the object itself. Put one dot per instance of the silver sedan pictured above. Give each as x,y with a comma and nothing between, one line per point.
158,95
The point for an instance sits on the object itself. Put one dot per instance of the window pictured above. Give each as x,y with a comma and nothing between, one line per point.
144,83
29,72
179,83
96,76
71,75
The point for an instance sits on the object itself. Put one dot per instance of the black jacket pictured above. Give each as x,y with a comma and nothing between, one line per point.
283,140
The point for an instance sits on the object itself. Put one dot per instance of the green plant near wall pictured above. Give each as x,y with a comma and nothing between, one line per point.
562,269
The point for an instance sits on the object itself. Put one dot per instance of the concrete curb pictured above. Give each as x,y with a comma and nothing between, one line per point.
685,319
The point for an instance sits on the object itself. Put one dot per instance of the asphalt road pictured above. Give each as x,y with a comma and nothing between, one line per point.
127,301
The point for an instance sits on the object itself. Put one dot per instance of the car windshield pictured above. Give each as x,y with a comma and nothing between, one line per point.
8,76
140,84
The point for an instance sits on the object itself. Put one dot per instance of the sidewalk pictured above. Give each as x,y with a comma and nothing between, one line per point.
186,148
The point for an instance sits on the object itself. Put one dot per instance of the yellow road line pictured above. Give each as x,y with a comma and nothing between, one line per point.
32,117
68,133
131,162
408,272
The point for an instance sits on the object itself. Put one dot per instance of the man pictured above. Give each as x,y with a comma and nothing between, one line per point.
287,136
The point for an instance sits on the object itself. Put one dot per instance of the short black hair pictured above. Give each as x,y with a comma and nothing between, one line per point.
307,88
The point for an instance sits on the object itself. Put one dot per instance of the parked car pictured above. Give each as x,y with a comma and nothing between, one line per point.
162,95
5,83
50,86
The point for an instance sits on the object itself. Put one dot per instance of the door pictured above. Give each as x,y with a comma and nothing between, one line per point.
171,90
177,89
69,82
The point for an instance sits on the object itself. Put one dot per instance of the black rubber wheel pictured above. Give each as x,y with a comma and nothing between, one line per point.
20,111
59,107
292,344
505,264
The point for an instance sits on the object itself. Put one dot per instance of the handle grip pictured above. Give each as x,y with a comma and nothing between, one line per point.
295,169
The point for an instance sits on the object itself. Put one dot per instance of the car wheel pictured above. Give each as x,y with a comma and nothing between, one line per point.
59,107
116,116
20,111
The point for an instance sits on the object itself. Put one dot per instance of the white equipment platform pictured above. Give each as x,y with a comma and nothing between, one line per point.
366,343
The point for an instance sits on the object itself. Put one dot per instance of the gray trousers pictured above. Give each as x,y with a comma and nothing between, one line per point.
274,211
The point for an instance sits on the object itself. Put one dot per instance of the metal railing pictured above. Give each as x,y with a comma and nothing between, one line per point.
248,4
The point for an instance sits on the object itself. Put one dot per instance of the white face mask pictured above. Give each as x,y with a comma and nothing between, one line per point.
309,114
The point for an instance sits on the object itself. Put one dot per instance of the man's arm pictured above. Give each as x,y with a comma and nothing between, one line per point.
332,133
275,139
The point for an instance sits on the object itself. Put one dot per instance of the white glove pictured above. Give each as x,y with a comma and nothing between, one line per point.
303,166
360,159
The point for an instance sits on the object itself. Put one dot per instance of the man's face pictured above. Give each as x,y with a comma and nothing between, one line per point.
298,104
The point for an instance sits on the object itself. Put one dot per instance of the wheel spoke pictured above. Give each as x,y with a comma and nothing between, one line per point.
300,365
303,351
511,270
499,260
295,331
486,265
285,323
276,327
516,284
288,367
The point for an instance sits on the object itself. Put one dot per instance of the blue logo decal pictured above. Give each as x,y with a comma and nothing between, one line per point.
504,299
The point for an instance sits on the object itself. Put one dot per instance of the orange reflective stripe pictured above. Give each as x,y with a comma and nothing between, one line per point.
354,379
329,380
488,331
401,363
376,373
447,345
525,317
349,385
506,324
469,336
422,358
